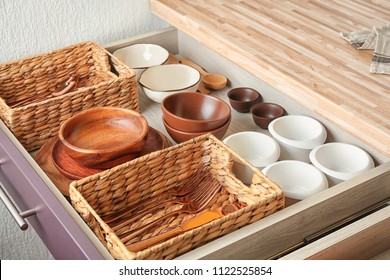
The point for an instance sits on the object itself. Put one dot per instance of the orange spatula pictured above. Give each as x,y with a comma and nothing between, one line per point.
200,220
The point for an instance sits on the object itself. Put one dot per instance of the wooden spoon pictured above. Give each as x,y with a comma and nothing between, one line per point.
210,80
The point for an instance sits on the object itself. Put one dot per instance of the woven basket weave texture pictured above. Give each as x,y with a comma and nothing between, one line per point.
109,192
28,107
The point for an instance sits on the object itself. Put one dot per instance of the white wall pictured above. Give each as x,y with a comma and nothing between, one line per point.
29,27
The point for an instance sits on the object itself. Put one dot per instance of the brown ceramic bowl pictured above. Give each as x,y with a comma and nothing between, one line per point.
264,113
194,112
98,136
243,98
181,136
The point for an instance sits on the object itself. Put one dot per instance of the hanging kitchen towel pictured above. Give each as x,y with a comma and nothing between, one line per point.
377,39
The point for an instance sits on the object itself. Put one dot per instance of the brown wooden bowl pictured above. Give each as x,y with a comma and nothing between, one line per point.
99,135
243,98
195,112
264,113
181,136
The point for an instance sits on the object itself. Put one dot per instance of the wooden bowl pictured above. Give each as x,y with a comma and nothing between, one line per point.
181,136
195,112
264,113
243,98
100,135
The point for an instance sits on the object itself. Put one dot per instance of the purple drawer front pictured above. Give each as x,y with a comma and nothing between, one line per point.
55,226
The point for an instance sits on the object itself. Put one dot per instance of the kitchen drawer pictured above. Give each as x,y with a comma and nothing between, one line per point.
283,231
61,229
365,239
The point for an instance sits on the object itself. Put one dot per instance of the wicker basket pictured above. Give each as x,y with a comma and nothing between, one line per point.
30,111
108,192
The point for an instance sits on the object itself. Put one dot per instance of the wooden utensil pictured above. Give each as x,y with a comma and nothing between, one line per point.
210,80
192,201
182,189
191,224
194,204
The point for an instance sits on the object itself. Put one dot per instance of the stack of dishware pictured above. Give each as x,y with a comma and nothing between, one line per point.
189,114
98,139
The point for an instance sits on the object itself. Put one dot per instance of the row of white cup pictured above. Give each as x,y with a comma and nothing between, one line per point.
296,158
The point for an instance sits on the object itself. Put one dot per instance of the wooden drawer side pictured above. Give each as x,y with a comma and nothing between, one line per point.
363,239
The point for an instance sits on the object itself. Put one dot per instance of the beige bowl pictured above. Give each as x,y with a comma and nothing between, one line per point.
161,81
141,56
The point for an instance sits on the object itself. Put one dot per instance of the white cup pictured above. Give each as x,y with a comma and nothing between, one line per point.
297,135
257,148
340,161
297,179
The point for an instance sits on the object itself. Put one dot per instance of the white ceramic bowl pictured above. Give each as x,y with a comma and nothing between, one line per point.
160,81
298,179
340,161
141,56
297,136
257,148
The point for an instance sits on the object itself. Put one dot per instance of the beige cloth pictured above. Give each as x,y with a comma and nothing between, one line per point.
377,39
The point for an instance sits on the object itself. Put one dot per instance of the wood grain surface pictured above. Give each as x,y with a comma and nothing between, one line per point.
295,46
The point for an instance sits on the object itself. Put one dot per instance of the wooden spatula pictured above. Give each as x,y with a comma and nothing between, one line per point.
198,221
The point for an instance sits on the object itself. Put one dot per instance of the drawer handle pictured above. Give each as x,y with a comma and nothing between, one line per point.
18,216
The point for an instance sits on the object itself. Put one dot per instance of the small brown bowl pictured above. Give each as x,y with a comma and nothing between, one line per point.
243,98
98,136
194,112
264,113
181,136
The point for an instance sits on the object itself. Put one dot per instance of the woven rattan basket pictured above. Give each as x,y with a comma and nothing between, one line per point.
28,107
108,192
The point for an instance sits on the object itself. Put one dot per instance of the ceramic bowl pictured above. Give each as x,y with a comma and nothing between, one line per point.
243,98
297,136
141,56
297,179
161,81
194,112
181,136
98,136
340,161
257,148
264,113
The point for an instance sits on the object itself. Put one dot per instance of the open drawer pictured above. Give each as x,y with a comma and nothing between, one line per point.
271,237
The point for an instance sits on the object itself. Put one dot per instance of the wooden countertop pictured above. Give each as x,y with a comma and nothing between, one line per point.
295,47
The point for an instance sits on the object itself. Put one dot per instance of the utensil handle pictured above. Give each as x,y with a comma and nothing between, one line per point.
145,203
19,217
142,214
193,65
130,235
138,246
